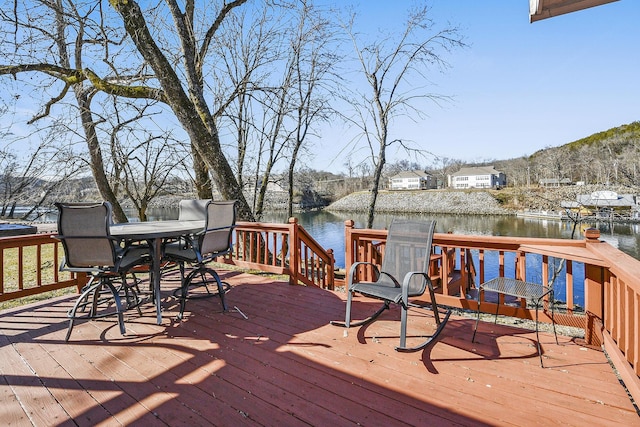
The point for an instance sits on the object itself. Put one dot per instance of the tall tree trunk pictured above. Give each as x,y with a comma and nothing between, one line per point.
202,178
290,190
84,104
375,186
95,155
190,111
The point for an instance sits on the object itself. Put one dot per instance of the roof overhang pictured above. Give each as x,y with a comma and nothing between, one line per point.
542,9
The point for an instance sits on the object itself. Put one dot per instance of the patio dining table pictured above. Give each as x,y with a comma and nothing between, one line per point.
154,232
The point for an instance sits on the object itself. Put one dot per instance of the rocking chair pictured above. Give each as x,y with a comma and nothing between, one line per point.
404,275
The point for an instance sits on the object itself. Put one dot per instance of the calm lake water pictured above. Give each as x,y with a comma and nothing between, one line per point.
328,227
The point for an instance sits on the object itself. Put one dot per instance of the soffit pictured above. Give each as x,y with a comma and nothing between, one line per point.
542,9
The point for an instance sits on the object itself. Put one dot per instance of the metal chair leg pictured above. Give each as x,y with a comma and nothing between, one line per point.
94,288
475,329
188,281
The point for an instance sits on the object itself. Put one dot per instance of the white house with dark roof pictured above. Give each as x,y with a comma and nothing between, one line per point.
477,177
412,180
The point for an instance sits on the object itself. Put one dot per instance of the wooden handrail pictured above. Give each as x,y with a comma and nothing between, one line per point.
316,265
611,312
39,253
283,249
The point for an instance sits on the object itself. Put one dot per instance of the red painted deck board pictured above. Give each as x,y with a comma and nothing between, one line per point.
285,365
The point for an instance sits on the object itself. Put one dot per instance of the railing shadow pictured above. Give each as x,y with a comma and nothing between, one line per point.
212,367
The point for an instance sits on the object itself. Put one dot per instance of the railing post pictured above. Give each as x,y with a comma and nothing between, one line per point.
349,256
331,273
294,254
464,278
448,267
593,295
521,265
82,279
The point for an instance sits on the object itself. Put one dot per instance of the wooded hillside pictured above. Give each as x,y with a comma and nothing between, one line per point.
611,157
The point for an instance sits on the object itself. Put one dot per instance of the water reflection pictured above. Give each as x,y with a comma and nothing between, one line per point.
328,228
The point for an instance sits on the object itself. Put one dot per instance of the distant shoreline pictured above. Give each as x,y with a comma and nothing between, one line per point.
538,202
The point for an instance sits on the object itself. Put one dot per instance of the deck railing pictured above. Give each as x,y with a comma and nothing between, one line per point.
286,249
29,266
599,286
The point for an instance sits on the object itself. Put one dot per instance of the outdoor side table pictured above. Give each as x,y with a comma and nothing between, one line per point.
518,288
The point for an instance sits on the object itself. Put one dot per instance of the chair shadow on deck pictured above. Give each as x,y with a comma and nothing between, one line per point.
282,364
211,366
388,321
457,334
494,342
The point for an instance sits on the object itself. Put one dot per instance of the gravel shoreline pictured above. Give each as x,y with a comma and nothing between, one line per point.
432,201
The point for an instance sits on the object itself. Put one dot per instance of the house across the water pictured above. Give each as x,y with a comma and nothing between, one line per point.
412,180
555,182
477,177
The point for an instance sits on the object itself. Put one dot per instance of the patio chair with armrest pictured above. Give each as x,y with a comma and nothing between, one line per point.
216,239
83,229
404,275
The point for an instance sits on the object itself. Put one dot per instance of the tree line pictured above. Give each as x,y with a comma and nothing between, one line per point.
222,93
150,98
606,158
610,157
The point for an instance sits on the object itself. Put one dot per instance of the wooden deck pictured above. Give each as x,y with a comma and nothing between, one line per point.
285,365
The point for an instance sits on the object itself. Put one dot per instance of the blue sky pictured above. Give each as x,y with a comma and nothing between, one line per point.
519,86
